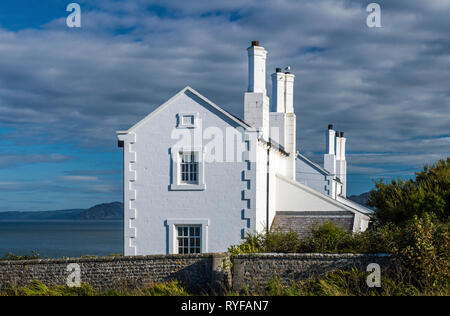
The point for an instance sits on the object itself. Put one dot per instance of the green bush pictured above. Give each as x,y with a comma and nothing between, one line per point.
327,238
424,251
279,242
399,201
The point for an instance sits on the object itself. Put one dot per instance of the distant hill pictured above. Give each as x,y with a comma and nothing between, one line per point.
360,199
112,210
106,211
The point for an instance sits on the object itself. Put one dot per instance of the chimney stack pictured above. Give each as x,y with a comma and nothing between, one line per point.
256,102
289,92
341,163
282,117
256,68
329,159
278,91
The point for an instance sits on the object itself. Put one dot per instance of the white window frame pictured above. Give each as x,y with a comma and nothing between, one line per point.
177,184
172,226
181,124
187,237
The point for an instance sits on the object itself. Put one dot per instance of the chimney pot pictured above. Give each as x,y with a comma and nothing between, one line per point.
342,134
330,126
278,70
255,43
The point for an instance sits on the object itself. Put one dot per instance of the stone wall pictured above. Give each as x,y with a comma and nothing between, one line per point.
251,271
201,273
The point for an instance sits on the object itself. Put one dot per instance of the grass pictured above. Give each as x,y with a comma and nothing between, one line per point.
37,288
337,283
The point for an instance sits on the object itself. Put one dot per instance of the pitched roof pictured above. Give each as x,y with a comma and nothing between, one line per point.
313,164
353,207
197,94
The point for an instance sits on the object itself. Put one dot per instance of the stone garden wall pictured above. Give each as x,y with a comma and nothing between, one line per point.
251,271
199,273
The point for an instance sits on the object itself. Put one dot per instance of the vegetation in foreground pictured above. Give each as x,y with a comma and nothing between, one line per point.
411,222
338,283
37,288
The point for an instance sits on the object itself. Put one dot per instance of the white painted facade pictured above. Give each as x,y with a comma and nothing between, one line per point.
234,184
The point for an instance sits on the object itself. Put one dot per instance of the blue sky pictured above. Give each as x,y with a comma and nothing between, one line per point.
64,92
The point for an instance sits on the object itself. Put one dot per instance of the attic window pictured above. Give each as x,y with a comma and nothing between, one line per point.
187,120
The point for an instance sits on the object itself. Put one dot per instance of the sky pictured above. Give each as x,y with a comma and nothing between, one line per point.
65,91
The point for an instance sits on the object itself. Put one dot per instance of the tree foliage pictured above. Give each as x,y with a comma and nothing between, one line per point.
400,201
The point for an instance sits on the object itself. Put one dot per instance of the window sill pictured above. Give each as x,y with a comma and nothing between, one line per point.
187,187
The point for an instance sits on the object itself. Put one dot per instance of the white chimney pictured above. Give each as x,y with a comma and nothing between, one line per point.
278,91
330,140
341,163
256,102
282,119
289,93
338,146
257,56
329,159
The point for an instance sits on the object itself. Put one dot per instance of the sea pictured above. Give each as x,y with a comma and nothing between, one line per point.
62,238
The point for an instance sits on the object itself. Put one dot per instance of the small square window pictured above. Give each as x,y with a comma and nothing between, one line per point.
187,120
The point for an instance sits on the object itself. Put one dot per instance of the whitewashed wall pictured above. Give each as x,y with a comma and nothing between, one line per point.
223,203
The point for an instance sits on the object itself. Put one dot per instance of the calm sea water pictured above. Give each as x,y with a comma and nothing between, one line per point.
61,238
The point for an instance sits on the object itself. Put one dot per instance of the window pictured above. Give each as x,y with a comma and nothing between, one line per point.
187,120
189,167
188,239
187,235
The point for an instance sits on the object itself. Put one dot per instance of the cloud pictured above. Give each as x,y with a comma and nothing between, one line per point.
10,161
386,88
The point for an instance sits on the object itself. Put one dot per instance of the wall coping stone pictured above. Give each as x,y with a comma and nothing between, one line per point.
114,258
308,255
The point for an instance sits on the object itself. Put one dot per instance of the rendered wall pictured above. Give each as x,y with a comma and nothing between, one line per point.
225,202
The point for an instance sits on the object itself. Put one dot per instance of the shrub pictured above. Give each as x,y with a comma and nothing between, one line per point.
327,238
399,201
425,252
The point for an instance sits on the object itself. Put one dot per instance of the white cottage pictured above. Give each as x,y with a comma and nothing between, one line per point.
198,179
